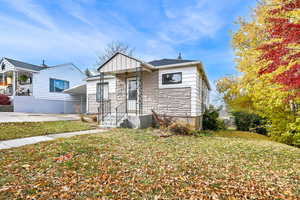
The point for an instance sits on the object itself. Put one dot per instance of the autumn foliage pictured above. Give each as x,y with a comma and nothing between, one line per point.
283,31
267,49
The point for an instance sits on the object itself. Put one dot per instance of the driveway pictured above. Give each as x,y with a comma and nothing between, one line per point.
35,117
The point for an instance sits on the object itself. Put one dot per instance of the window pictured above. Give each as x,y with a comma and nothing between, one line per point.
3,67
99,94
132,90
58,85
172,78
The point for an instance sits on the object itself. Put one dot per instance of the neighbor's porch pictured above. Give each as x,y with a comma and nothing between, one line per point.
16,83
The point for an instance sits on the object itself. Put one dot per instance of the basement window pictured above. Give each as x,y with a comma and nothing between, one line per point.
172,78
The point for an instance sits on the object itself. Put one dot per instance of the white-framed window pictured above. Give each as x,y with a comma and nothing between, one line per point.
172,78
57,85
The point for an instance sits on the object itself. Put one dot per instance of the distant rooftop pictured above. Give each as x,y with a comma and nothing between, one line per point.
25,65
162,62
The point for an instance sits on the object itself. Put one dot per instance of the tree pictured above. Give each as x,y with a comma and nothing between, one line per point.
112,48
267,53
282,49
88,73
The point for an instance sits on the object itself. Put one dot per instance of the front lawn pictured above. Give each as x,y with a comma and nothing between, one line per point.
136,164
29,129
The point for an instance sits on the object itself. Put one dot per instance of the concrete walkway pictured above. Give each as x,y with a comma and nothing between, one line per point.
35,117
7,144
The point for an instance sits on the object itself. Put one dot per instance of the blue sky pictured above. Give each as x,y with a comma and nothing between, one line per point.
61,31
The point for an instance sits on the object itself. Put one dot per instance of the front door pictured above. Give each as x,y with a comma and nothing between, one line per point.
132,94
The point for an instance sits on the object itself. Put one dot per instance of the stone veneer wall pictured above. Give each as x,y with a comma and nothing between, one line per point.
120,88
93,104
169,101
174,101
150,92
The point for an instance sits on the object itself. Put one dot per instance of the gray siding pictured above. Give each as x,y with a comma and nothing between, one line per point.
175,101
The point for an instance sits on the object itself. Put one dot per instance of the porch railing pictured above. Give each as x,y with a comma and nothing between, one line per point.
104,109
120,112
6,91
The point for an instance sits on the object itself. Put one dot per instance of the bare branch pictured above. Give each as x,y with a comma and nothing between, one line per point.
112,48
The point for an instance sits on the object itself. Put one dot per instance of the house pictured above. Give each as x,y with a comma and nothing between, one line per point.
40,89
127,90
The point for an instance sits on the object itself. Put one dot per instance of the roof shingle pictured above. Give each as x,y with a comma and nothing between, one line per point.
25,65
162,62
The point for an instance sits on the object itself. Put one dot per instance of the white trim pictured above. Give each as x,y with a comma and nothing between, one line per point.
188,64
132,102
178,65
98,78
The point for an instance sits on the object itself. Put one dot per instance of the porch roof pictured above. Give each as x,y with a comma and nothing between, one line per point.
76,90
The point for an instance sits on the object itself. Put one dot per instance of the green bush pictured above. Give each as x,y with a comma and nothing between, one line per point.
211,120
249,122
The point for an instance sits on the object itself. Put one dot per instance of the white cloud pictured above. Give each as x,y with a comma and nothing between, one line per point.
32,11
189,22
82,29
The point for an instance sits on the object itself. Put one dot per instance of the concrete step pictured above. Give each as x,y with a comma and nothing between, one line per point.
110,121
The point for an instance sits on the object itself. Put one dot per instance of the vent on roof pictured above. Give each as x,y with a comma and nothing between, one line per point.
179,56
44,65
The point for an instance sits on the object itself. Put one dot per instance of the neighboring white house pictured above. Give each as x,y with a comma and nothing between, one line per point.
130,89
40,89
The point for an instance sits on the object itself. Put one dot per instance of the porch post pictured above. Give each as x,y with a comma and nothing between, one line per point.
126,107
140,90
14,84
137,91
3,84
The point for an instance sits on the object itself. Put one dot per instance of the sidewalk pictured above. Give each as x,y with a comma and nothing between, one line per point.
7,144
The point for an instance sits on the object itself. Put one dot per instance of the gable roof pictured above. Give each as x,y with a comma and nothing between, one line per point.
165,61
24,65
130,57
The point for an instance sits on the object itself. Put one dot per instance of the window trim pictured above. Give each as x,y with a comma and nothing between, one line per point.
164,83
55,79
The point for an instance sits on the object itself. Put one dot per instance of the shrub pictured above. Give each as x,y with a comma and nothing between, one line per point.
249,122
180,128
82,118
211,120
4,100
94,118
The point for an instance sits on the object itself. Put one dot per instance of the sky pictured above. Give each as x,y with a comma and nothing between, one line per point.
63,31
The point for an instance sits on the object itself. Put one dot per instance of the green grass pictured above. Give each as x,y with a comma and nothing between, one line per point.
29,129
135,164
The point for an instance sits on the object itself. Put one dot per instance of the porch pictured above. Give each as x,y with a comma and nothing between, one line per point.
126,106
16,83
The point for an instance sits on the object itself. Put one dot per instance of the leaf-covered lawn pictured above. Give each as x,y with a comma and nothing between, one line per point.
135,164
29,129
